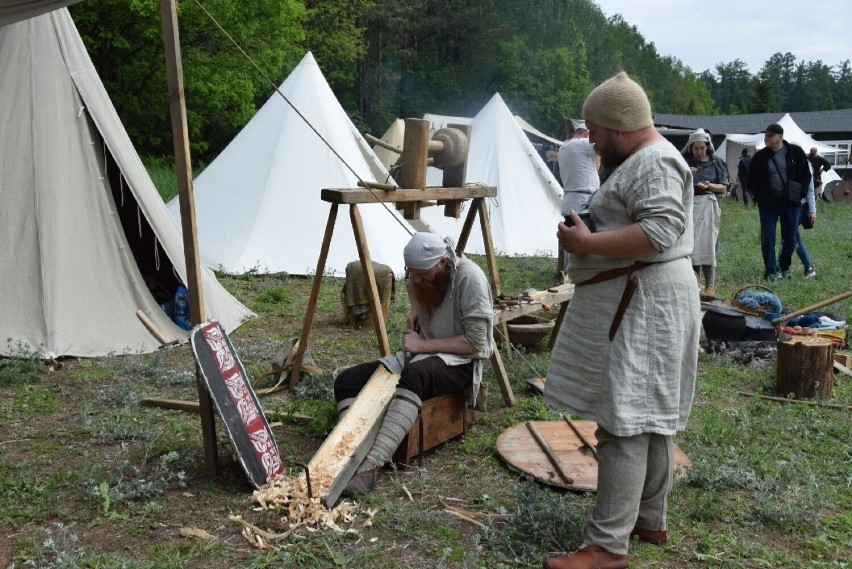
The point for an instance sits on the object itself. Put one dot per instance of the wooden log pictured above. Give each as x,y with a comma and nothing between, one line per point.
803,367
193,406
343,450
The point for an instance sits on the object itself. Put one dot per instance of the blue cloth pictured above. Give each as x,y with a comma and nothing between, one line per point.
759,299
805,320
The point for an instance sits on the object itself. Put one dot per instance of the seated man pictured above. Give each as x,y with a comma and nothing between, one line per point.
449,333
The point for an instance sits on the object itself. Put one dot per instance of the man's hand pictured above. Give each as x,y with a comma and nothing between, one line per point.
412,322
412,342
812,216
572,238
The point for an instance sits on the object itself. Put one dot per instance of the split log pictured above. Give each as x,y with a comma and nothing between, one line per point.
343,450
803,367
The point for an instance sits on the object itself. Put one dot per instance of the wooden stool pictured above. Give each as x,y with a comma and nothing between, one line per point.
442,418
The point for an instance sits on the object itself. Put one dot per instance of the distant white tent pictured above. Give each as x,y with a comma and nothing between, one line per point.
394,135
526,211
732,147
85,240
258,203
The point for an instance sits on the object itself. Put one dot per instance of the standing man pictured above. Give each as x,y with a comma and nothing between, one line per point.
578,167
627,352
448,335
820,165
778,179
742,174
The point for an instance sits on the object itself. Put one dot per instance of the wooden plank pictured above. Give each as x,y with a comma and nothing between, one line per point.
561,469
563,294
192,407
415,151
363,195
343,450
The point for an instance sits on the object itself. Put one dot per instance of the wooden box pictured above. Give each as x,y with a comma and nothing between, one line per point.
443,418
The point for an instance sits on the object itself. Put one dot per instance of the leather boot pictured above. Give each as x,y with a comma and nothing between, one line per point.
649,535
588,557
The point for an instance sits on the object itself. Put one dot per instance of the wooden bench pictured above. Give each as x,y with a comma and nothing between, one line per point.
442,418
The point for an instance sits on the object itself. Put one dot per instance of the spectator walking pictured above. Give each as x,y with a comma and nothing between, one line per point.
819,165
742,175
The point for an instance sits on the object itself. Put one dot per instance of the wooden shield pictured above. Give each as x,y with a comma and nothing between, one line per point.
519,448
237,403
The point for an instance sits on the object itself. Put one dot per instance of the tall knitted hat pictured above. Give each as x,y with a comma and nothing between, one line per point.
619,103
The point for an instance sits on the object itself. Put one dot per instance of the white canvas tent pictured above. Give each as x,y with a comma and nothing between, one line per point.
86,239
526,211
258,203
732,147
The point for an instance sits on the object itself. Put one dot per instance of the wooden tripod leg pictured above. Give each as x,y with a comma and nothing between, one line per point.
370,277
490,256
502,377
466,227
312,301
558,324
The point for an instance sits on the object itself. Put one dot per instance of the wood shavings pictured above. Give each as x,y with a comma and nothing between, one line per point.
195,532
289,496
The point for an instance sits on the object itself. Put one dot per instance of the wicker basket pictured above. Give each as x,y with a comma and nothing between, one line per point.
750,309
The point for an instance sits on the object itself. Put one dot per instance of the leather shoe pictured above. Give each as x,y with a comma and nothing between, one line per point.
589,557
362,482
649,535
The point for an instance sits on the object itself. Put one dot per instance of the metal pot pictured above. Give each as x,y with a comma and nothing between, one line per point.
758,329
722,323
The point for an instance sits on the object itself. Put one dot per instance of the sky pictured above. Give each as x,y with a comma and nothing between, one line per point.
702,34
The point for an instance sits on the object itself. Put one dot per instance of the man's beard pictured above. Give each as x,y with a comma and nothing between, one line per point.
428,294
612,157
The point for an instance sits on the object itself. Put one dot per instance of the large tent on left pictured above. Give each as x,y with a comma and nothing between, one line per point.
85,240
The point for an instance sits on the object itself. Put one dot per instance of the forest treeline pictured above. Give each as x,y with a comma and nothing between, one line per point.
402,58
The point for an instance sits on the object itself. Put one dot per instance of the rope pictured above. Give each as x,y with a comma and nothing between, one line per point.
298,112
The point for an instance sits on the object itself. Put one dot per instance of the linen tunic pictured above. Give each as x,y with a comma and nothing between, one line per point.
706,215
644,379
469,300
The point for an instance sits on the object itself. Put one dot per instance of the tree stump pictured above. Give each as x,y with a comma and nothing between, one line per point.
803,367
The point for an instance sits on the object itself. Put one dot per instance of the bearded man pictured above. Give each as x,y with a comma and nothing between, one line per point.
448,335
627,352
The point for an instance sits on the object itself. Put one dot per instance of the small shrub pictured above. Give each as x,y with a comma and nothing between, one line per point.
23,367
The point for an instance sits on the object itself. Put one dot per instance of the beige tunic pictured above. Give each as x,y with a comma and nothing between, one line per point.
642,381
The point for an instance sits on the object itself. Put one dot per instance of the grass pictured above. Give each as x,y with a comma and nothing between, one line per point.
90,478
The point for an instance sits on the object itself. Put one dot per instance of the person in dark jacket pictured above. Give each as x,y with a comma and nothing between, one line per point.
742,174
773,169
820,165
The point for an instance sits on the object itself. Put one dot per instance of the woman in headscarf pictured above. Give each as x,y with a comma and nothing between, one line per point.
710,180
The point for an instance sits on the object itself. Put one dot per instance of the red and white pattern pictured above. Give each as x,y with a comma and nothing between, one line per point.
244,401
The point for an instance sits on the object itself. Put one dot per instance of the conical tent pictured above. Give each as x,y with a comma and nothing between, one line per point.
85,240
526,210
258,203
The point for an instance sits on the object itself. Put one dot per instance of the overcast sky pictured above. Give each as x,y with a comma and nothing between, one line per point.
704,33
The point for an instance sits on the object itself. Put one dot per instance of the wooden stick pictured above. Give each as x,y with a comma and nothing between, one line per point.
192,406
377,186
580,435
840,367
554,460
382,143
784,400
152,328
811,308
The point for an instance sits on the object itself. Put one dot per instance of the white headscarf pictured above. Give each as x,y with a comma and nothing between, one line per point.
698,136
424,250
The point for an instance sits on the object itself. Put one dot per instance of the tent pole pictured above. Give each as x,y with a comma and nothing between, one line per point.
180,135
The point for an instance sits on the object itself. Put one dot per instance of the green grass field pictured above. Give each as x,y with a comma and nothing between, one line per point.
90,478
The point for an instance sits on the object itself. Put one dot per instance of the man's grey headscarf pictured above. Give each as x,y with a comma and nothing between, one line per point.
424,250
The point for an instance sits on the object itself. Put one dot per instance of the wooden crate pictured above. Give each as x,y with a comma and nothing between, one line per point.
843,358
443,417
